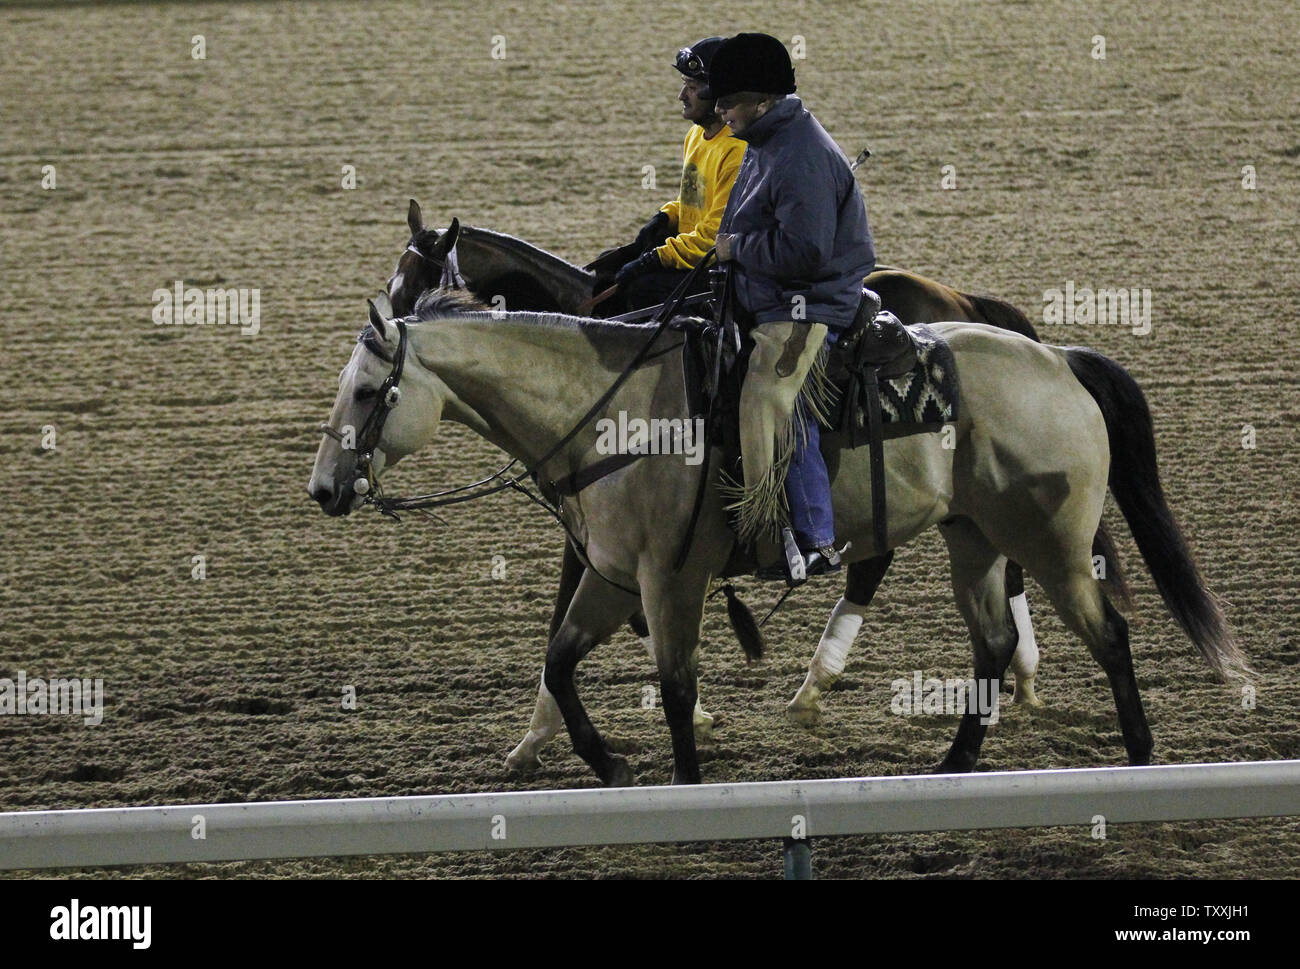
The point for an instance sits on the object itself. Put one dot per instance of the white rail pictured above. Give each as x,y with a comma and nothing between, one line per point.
640,815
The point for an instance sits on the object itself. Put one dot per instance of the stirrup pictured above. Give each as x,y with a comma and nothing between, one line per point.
799,566
791,567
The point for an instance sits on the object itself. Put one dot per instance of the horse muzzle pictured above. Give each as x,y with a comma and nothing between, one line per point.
338,501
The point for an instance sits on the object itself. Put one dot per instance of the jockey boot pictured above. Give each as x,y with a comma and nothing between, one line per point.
798,566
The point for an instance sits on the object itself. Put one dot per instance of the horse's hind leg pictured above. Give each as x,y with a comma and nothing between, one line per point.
597,610
860,584
979,584
1086,610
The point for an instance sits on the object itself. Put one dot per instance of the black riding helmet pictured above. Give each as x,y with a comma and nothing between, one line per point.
693,62
750,62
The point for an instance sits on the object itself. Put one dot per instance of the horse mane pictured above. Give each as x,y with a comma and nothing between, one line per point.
435,303
452,304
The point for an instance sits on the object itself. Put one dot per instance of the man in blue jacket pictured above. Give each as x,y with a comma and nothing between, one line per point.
796,240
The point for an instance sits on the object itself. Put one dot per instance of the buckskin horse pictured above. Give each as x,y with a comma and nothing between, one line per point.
513,273
1040,433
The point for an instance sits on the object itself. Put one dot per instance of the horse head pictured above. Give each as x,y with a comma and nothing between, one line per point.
421,264
367,429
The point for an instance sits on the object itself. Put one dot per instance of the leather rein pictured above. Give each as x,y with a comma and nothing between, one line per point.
389,395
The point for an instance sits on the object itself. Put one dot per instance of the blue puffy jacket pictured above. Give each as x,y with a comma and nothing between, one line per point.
799,222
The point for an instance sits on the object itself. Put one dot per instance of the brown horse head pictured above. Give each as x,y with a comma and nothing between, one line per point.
420,266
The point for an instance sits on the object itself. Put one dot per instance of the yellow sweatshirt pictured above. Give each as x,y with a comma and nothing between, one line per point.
709,170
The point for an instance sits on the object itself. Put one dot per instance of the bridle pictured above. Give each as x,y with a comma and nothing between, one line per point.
448,267
388,396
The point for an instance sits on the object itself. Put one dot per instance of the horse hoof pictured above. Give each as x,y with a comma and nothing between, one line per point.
522,761
806,717
1025,695
946,766
619,773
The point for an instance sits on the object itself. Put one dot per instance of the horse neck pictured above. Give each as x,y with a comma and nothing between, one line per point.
485,255
523,383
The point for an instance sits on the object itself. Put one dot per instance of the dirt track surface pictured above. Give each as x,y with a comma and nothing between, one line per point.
181,441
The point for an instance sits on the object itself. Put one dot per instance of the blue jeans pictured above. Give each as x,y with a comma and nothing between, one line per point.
808,487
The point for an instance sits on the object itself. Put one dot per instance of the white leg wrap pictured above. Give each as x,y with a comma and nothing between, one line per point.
837,639
1024,661
546,723
827,662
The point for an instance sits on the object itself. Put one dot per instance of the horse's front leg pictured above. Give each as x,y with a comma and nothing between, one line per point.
547,721
596,612
675,614
841,629
700,718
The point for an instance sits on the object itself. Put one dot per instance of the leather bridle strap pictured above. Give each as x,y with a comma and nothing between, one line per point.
388,395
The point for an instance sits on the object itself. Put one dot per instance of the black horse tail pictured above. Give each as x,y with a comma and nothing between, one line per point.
1000,313
742,621
1135,483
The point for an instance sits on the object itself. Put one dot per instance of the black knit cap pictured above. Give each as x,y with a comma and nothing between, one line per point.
750,62
693,62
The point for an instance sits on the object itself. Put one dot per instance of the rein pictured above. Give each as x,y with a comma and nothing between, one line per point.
389,396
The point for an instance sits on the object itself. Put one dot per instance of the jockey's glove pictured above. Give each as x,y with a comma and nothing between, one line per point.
642,264
654,232
611,260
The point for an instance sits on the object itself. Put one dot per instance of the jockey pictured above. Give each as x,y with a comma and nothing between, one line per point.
681,232
796,240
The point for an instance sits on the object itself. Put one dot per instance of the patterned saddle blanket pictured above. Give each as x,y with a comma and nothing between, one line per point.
914,399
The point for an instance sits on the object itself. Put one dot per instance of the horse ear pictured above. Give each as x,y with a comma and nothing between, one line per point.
384,305
377,321
447,240
414,218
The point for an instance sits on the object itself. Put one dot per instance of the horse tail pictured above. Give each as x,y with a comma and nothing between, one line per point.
1135,483
742,621
1002,314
